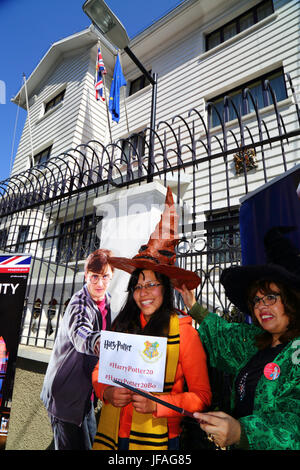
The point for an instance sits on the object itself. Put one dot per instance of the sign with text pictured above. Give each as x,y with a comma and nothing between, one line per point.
14,271
135,360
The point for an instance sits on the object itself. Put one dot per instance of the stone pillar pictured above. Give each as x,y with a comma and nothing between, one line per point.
129,218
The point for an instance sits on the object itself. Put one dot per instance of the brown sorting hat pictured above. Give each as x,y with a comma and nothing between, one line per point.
159,253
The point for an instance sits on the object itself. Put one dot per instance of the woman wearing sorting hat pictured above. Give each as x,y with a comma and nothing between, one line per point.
263,357
129,420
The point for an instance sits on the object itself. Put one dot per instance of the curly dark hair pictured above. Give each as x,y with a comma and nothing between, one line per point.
128,320
291,300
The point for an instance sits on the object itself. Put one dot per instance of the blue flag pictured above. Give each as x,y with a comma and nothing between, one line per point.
114,97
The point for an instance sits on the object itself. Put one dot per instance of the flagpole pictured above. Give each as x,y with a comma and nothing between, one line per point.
105,96
28,114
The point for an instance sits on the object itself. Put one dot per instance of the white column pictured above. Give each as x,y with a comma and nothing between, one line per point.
129,218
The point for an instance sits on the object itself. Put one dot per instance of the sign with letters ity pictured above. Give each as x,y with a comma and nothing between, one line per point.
14,271
134,360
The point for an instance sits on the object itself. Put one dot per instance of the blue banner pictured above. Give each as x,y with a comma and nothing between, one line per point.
275,203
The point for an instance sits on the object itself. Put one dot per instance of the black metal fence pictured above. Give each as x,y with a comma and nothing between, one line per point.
48,210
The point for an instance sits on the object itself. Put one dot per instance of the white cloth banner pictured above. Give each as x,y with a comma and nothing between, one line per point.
135,360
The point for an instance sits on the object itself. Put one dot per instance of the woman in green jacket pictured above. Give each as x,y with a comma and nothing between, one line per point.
263,357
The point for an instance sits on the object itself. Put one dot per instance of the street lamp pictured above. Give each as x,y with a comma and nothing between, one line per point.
111,27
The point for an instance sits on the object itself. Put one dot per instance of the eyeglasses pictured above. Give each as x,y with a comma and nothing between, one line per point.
149,286
269,299
95,278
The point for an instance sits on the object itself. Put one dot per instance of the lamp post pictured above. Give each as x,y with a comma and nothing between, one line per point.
111,27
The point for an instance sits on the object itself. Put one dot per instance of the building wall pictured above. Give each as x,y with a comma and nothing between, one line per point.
188,77
70,123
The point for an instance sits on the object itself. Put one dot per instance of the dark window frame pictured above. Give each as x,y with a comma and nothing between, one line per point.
237,21
55,101
22,238
3,238
222,224
42,156
265,95
133,147
138,84
77,238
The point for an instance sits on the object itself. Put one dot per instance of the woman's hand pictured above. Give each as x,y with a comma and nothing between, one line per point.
117,397
143,404
222,428
188,296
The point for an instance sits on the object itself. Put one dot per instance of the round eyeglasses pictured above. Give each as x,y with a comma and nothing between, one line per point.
149,286
269,299
95,278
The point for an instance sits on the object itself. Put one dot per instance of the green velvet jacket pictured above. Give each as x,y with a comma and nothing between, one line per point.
275,422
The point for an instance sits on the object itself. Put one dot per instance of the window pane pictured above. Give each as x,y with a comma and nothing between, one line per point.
3,238
229,31
135,86
257,96
55,101
213,40
219,105
223,239
77,239
22,237
138,84
42,156
246,21
236,100
278,86
264,10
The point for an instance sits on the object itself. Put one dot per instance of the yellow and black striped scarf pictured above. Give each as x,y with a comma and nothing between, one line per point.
147,433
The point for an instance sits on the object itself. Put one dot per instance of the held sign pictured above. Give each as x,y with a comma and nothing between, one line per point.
135,360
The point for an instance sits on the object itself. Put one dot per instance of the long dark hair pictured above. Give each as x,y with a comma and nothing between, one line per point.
291,302
128,320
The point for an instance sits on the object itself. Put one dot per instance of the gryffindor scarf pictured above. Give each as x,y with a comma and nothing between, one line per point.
147,432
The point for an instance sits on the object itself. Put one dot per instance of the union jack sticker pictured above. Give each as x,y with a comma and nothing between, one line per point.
14,263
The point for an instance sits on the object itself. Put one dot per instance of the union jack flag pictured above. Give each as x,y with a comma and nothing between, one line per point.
100,70
15,263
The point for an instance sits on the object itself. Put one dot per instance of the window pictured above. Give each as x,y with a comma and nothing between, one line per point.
54,101
42,157
3,238
239,24
223,236
133,146
77,239
138,84
259,91
22,238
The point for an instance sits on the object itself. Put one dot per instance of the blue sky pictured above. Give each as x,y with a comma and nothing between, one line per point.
27,30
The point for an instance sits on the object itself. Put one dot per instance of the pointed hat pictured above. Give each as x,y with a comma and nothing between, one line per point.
159,253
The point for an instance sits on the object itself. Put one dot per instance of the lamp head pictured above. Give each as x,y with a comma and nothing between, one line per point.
105,20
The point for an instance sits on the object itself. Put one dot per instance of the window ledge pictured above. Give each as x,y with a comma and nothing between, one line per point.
48,113
287,102
239,36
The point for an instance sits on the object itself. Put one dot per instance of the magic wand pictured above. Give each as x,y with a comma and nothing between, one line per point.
157,400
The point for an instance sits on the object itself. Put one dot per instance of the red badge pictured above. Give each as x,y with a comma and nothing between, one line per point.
272,371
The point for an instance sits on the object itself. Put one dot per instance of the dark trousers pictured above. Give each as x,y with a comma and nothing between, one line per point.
69,436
